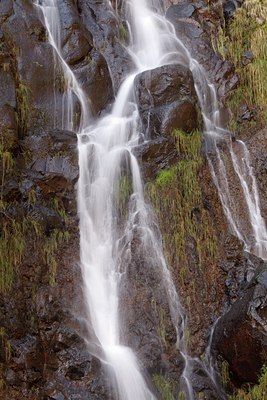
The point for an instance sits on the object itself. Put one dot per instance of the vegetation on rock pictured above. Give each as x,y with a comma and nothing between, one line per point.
164,386
256,392
176,195
244,42
189,238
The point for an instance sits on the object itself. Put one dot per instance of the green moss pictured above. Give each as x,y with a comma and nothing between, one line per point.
166,176
123,34
7,164
162,326
164,387
5,345
22,108
256,392
12,245
188,144
181,396
50,250
2,384
225,373
177,200
122,194
13,241
57,205
5,356
32,197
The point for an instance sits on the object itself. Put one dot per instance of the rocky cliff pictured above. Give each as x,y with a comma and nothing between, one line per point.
43,354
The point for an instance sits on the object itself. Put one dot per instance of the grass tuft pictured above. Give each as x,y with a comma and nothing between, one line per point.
177,200
247,32
256,392
164,387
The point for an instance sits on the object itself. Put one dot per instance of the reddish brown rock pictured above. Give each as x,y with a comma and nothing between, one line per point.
166,100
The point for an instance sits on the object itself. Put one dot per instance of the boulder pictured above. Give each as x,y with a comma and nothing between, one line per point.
240,335
166,100
155,155
88,64
109,34
54,158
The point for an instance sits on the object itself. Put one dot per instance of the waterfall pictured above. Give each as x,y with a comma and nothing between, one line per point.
102,148
103,145
248,225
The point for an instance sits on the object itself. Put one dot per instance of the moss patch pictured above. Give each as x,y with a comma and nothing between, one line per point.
164,387
176,196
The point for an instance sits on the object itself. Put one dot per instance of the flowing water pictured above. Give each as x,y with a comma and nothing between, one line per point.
103,147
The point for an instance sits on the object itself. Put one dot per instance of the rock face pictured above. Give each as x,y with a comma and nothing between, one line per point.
43,354
166,100
39,86
110,36
240,335
190,21
156,155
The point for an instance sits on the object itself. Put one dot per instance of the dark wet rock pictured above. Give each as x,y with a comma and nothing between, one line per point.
108,32
184,9
155,155
247,57
33,76
89,65
7,84
65,338
240,335
240,267
166,100
203,384
8,121
28,355
143,329
54,156
39,85
94,77
49,358
76,48
47,217
11,190
257,146
76,41
56,396
6,9
229,8
245,113
77,371
192,31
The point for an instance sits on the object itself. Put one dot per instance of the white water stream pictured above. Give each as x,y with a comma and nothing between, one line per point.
103,146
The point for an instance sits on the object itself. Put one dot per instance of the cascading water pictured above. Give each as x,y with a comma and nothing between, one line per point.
103,148
247,224
72,88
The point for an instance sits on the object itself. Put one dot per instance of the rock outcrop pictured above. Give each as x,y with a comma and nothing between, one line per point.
166,100
240,335
43,353
192,24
